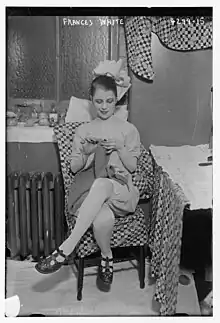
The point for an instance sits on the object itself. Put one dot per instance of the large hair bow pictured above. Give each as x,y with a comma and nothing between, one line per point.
116,71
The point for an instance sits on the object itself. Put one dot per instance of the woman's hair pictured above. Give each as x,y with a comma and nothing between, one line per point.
103,81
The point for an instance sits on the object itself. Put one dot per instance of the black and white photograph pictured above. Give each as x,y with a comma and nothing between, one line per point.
109,161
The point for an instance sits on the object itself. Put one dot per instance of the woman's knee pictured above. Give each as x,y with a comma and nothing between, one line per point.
105,218
103,185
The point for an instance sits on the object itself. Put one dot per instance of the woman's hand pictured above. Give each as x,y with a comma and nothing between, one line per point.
89,145
111,145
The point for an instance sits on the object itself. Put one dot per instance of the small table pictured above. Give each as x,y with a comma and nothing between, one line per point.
188,166
32,149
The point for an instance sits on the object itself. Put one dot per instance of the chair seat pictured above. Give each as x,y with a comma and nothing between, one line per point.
128,231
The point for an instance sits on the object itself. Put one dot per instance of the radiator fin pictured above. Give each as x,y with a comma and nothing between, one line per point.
35,214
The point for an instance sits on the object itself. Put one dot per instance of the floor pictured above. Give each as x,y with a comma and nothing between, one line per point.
203,286
55,295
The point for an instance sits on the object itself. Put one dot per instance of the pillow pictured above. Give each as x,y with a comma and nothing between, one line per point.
122,112
80,110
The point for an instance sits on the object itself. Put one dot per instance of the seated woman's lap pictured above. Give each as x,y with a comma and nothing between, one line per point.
122,201
119,198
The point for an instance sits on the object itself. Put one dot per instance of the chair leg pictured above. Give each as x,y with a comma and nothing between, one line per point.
148,253
142,267
80,279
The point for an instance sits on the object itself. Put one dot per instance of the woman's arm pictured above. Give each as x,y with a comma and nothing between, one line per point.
129,161
128,151
82,151
78,158
78,163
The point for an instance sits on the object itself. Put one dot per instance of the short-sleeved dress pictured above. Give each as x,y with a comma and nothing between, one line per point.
125,198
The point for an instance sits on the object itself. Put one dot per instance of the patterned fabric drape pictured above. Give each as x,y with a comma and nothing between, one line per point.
165,234
174,33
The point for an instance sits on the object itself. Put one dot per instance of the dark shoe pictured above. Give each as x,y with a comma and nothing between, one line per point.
105,272
50,264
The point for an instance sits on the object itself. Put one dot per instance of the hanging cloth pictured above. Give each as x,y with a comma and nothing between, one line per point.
138,39
174,33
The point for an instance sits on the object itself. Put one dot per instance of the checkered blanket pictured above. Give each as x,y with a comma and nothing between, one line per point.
174,33
165,233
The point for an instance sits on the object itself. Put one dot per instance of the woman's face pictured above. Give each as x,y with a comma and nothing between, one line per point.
104,102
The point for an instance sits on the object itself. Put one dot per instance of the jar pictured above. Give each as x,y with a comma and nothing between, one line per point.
43,119
53,115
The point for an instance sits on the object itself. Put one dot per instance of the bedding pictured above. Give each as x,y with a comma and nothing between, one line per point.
187,166
79,110
82,110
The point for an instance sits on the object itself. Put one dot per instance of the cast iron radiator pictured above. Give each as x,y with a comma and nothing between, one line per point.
35,222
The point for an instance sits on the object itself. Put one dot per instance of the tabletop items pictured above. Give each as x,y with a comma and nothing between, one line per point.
11,119
29,115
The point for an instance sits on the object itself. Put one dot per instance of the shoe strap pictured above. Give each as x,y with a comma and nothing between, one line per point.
107,261
60,252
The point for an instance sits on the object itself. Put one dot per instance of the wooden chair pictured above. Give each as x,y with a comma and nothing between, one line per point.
129,231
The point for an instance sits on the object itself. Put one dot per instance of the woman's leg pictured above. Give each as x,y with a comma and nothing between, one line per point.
102,228
100,192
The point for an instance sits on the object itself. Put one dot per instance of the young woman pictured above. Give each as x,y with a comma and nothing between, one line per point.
107,198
